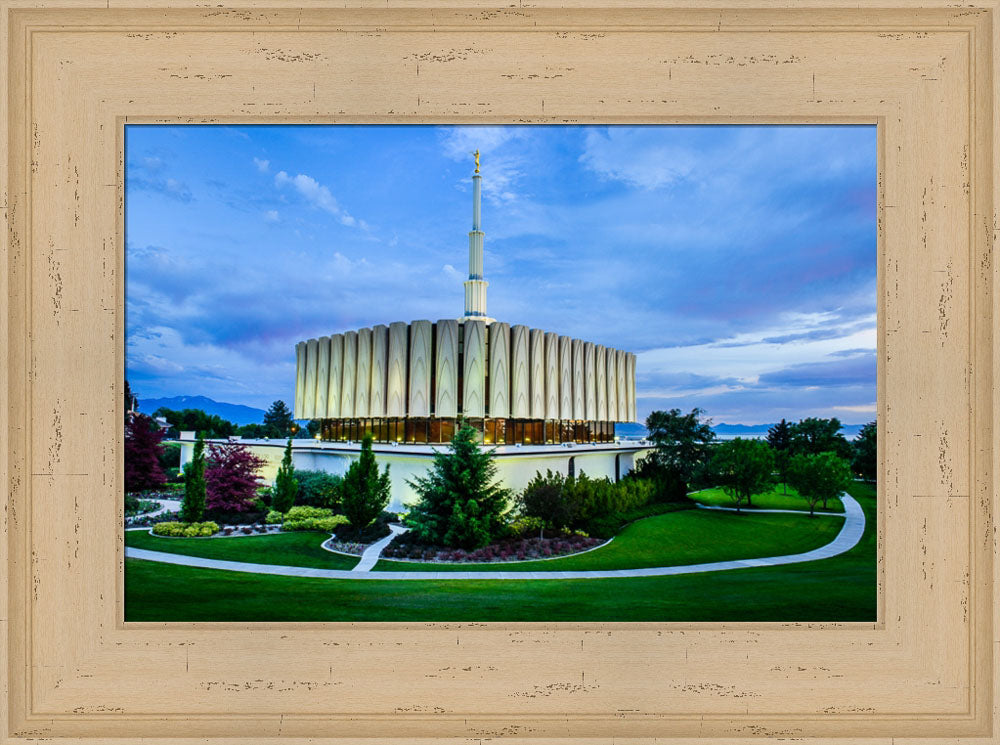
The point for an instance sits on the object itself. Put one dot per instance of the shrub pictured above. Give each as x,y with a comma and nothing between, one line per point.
274,517
525,526
324,524
543,501
300,512
188,530
193,504
318,488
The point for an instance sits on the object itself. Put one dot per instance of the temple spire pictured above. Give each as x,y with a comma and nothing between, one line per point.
476,284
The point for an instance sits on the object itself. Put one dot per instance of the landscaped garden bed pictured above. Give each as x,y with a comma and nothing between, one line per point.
511,550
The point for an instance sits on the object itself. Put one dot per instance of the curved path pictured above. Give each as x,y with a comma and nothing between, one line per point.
847,538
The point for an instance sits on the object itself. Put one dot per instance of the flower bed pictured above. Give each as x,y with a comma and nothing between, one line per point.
523,549
345,547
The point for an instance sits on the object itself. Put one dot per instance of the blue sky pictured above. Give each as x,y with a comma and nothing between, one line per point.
737,262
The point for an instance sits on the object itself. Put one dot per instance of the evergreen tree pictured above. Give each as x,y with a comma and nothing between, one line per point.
865,461
142,454
286,486
131,402
278,420
364,492
460,502
779,437
193,504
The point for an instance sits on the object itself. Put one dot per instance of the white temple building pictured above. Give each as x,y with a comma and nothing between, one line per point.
541,399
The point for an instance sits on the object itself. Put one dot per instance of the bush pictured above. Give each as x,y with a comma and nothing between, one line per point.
170,456
301,512
231,477
526,526
187,530
318,488
324,524
273,517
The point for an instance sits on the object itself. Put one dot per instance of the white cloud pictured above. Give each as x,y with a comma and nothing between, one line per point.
614,153
745,357
316,194
262,165
271,216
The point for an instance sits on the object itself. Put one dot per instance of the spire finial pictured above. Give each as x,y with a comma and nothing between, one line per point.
477,160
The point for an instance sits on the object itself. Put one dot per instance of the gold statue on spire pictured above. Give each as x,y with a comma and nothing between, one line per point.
477,160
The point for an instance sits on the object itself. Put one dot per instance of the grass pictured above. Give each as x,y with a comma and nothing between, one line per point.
838,589
688,537
772,500
300,549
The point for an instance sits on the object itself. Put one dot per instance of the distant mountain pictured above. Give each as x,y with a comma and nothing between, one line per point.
235,413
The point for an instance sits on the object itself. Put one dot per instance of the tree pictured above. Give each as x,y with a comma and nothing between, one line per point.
252,431
278,420
364,492
865,461
543,498
318,488
818,477
744,468
231,479
196,420
193,504
131,402
682,442
813,436
142,454
460,503
779,437
286,486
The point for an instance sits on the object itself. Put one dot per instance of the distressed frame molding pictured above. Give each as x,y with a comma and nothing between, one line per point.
78,70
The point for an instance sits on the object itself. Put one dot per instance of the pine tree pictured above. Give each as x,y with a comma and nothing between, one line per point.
278,420
193,504
460,502
286,486
364,492
779,437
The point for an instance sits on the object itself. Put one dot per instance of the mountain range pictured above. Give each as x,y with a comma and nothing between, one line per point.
235,413
240,414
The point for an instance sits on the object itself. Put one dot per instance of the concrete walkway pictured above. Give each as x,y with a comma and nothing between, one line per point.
850,534
369,557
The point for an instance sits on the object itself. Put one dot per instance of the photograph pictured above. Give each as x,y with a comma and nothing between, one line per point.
506,373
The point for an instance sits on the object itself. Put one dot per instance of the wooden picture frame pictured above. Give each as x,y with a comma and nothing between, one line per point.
78,70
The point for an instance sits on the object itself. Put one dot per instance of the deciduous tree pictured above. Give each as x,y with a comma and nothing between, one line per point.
743,468
231,477
865,461
779,437
682,442
814,435
818,477
142,454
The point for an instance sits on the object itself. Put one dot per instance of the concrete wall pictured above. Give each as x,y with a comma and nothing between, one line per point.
515,466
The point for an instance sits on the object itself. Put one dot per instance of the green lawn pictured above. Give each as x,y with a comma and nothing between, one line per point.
688,537
838,589
300,549
773,500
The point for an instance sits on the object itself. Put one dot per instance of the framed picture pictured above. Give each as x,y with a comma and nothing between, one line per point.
100,642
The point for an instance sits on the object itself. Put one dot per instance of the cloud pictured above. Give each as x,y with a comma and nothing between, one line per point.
271,216
262,165
316,194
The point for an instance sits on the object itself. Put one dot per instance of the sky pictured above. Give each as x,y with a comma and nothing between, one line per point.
737,262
